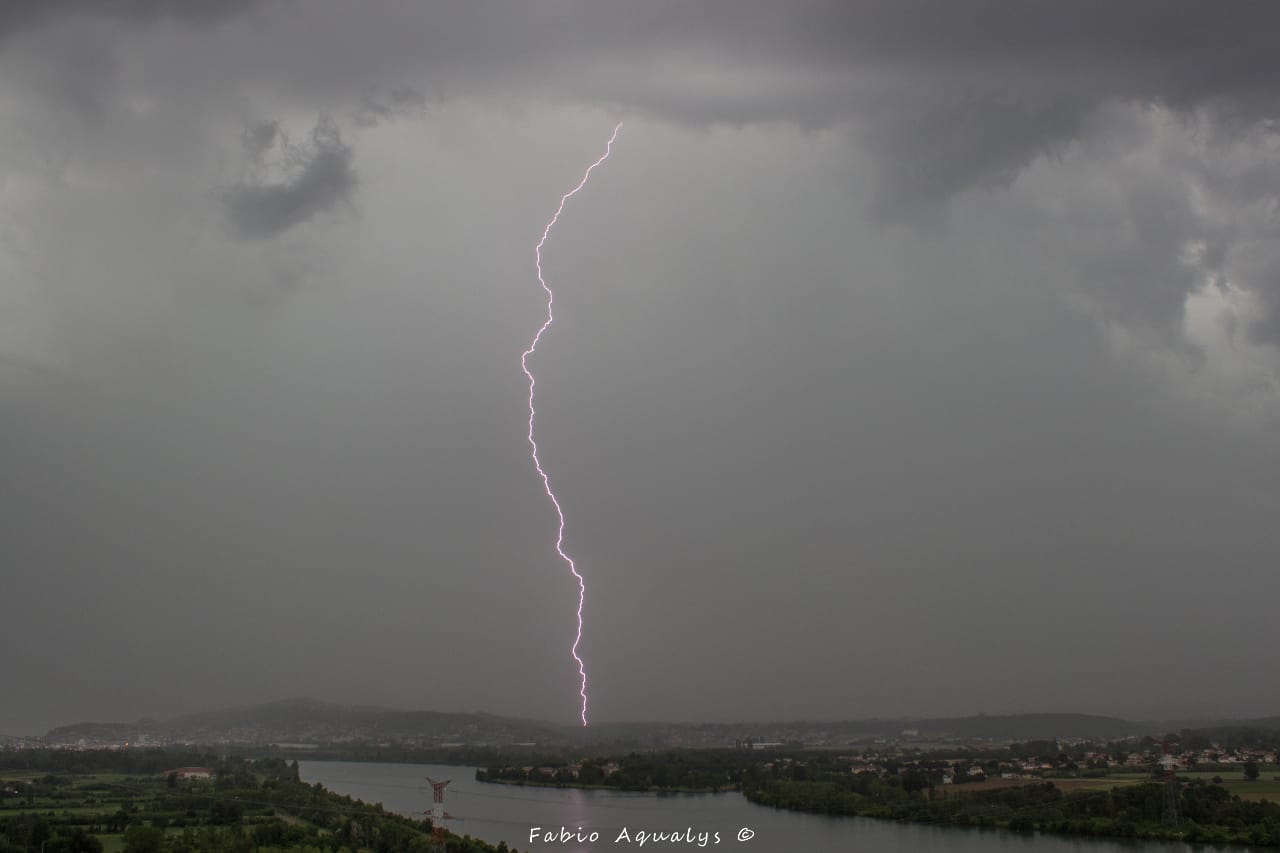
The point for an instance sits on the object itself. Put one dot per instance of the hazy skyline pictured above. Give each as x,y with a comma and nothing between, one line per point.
910,358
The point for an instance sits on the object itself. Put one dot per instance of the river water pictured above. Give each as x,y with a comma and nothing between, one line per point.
510,813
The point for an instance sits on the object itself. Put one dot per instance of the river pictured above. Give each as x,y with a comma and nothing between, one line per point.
509,813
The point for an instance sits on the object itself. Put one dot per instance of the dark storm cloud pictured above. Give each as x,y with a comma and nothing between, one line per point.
953,95
17,15
321,177
944,145
950,95
74,63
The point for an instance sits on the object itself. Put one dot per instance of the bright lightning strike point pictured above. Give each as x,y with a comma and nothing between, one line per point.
533,445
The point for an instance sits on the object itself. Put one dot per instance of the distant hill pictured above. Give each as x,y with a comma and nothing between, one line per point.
1259,723
989,727
312,723
1033,726
1237,733
323,718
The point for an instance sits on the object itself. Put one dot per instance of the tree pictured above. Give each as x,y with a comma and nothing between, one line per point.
1251,771
143,839
83,842
38,831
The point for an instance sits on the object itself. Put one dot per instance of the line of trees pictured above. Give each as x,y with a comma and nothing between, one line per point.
675,770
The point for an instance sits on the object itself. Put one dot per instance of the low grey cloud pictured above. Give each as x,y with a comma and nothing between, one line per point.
318,176
400,102
259,138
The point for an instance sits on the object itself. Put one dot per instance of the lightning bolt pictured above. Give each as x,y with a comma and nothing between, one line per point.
533,445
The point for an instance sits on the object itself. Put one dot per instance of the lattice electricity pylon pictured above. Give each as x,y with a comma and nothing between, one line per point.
438,815
1169,810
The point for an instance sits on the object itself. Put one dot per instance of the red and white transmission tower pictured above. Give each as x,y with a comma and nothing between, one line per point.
438,815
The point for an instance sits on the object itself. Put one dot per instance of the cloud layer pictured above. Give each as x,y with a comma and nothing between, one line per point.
909,357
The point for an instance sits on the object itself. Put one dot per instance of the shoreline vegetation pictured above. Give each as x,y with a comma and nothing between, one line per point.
681,771
1206,813
520,783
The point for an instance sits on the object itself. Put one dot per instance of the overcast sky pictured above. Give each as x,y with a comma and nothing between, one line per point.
910,357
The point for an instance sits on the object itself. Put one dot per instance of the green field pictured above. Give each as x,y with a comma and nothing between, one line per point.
1266,787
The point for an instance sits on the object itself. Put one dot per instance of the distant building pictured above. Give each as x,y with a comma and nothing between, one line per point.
191,772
